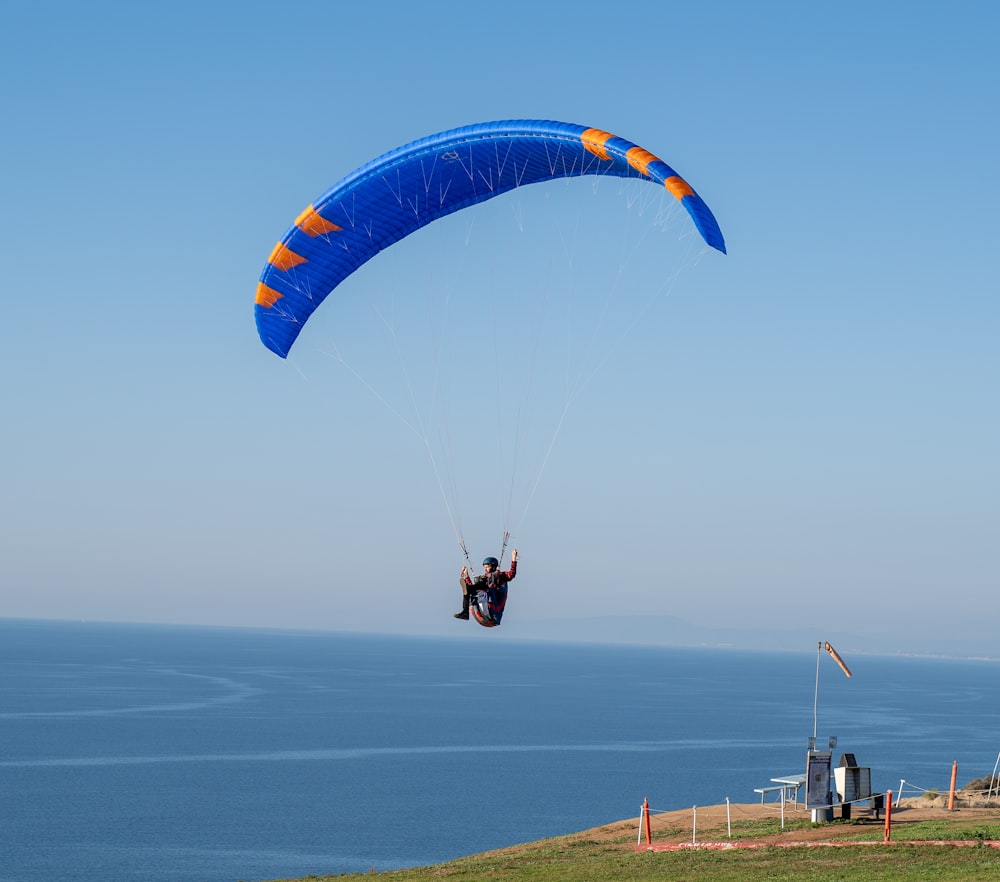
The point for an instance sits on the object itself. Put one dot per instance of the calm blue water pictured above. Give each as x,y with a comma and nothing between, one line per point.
212,755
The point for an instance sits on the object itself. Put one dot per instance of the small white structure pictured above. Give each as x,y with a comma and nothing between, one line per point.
853,782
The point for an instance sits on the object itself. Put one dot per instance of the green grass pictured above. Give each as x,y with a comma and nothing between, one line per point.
577,859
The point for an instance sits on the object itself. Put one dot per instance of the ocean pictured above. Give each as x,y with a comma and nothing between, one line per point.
181,754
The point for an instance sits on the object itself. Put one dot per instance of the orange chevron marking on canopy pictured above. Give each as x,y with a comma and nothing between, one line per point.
640,159
284,258
267,297
594,141
678,187
312,224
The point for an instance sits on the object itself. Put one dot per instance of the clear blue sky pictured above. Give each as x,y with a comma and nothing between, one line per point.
804,431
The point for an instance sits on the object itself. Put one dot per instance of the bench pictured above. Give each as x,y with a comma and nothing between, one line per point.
763,791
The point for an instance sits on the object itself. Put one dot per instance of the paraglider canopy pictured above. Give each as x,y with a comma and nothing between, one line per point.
407,188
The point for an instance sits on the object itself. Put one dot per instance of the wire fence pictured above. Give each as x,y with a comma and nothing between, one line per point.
987,796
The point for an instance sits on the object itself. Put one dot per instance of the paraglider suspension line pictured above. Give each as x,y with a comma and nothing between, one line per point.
465,551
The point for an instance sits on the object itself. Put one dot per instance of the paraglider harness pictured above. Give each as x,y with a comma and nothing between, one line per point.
486,604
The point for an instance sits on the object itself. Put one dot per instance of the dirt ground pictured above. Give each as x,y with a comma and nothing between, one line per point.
709,823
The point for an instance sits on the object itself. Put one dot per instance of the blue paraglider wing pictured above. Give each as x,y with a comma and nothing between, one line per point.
401,191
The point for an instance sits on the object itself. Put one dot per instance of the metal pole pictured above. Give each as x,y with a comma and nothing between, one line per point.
729,820
819,646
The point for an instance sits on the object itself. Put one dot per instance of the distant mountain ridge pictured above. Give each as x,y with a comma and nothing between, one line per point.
674,631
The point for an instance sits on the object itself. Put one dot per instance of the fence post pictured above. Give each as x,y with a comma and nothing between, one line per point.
954,777
888,815
645,820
